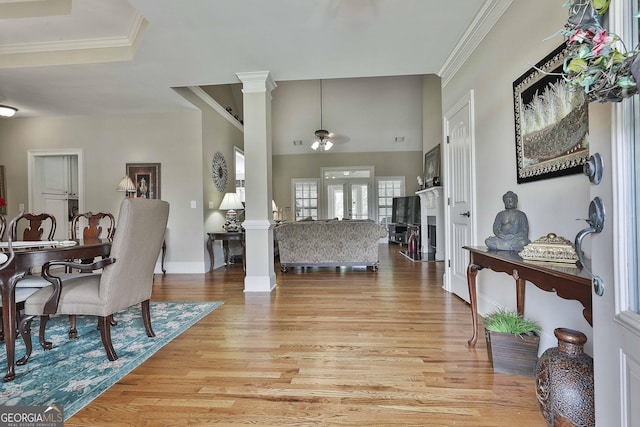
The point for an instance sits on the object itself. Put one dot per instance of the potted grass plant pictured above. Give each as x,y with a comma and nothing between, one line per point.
512,342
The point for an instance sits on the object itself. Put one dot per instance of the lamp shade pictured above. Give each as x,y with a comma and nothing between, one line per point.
231,201
126,184
7,111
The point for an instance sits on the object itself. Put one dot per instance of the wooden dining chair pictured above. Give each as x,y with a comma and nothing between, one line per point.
93,228
35,228
33,232
23,292
93,223
126,278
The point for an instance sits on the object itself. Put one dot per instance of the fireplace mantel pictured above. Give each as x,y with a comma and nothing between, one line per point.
432,214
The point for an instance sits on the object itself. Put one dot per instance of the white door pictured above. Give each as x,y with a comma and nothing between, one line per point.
459,193
348,199
615,252
57,205
55,176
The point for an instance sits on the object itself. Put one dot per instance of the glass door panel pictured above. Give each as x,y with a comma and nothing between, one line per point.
359,200
336,199
347,199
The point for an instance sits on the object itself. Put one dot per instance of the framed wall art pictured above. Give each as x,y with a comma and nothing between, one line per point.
3,192
432,167
551,123
146,177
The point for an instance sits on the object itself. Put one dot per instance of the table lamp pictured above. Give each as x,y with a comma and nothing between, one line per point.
231,202
127,186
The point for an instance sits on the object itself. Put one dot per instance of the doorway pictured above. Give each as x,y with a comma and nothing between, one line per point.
348,192
460,218
56,185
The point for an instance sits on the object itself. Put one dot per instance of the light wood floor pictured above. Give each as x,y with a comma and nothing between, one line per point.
328,347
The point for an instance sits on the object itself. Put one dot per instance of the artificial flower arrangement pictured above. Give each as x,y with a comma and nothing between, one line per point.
597,61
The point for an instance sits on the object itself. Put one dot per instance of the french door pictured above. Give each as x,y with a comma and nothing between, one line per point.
348,192
348,199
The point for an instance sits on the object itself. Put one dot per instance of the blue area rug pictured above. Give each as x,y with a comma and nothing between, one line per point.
75,372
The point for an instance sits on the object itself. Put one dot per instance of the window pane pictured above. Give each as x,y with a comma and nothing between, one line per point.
306,200
388,188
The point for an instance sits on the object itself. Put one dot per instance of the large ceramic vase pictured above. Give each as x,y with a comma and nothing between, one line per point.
564,382
412,243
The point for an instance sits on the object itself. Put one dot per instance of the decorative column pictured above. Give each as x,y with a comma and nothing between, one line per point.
258,224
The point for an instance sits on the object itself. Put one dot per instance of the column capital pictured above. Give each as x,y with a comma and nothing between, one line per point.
256,81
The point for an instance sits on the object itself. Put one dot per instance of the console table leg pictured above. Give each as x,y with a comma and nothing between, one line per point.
210,249
472,272
520,287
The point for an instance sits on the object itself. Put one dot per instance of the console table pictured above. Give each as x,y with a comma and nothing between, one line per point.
568,282
226,238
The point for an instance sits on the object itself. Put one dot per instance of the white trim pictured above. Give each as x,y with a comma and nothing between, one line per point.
256,82
86,51
622,156
207,99
182,267
31,170
490,13
468,98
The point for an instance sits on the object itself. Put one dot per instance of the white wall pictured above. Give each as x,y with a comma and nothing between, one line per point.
509,50
109,142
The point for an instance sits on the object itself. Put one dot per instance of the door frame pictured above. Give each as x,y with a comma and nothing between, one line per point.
448,171
31,171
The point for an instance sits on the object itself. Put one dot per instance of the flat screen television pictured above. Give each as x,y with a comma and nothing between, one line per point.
406,210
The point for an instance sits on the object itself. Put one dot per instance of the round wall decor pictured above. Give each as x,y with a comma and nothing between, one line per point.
219,171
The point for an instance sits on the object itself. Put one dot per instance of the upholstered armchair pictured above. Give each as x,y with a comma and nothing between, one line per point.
126,278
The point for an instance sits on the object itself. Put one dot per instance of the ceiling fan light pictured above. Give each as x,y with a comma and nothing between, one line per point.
7,111
327,145
315,144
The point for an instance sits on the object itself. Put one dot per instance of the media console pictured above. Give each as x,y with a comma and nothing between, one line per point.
399,233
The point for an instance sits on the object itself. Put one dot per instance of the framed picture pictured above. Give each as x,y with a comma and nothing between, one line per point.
551,123
3,191
432,167
146,177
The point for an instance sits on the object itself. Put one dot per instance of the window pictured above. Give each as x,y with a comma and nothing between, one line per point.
388,188
305,194
239,167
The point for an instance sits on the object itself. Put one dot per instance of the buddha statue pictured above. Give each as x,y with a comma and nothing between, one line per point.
510,228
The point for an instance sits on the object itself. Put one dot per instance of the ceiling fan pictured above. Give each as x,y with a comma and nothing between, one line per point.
323,136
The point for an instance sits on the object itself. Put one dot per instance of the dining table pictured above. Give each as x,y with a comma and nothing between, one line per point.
30,256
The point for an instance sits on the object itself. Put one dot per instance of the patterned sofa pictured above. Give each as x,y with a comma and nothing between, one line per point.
329,243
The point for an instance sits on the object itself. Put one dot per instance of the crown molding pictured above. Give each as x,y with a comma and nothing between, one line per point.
484,21
13,9
84,51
